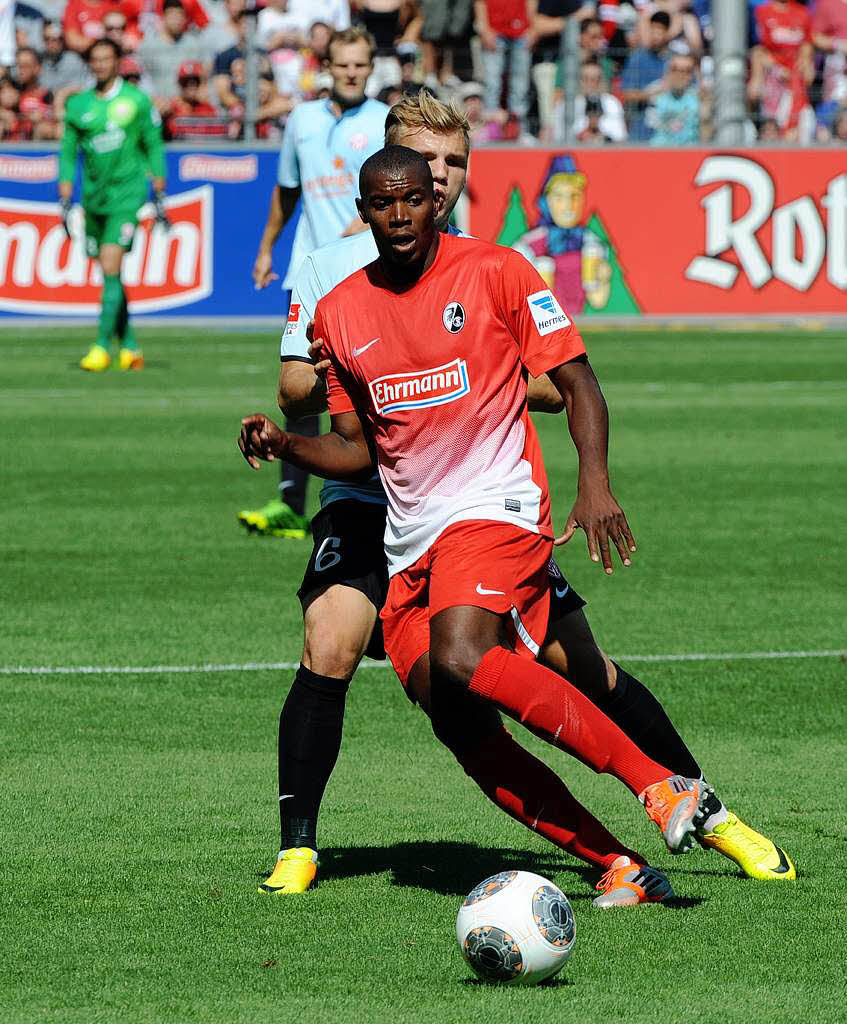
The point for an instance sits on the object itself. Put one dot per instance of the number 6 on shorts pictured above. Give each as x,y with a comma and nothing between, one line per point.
327,559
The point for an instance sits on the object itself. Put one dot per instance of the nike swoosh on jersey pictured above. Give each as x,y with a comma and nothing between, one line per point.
480,589
363,348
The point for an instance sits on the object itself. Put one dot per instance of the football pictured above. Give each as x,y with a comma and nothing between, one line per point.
516,928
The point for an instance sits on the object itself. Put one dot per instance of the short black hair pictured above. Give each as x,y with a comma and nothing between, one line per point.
172,3
106,41
660,18
31,51
393,160
588,22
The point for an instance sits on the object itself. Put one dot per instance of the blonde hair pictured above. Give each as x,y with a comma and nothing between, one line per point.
425,111
354,34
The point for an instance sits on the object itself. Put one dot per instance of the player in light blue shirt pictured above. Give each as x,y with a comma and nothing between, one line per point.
324,145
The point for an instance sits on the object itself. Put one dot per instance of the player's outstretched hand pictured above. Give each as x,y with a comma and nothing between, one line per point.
316,348
263,271
261,438
601,517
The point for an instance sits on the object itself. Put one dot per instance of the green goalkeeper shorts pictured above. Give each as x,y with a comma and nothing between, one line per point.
113,228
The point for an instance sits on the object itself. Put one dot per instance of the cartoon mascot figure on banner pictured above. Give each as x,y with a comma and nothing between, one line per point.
571,259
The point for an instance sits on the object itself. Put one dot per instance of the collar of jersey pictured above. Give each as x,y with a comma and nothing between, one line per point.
347,111
113,92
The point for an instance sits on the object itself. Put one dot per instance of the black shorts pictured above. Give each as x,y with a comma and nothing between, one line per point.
348,549
563,598
348,537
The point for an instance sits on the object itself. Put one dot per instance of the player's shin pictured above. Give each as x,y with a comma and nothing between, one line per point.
530,792
110,306
634,709
310,728
553,709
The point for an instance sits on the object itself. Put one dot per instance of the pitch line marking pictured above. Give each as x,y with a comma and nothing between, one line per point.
274,666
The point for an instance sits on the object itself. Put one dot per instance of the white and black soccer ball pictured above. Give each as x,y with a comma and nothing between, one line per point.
516,928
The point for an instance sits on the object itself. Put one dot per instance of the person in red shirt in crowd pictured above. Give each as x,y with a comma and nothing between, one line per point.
782,67
829,34
83,21
505,33
181,120
35,103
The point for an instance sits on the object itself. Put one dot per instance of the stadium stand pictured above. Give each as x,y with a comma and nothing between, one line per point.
645,68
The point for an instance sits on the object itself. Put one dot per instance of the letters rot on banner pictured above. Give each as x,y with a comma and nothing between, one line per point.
689,231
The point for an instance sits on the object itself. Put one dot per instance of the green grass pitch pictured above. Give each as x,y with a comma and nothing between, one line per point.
138,812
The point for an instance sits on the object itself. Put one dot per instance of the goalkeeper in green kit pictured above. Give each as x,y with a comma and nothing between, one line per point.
118,130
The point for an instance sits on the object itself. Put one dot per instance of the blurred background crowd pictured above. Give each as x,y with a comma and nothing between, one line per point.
644,71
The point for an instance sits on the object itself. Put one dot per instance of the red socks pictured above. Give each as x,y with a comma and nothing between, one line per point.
550,707
531,793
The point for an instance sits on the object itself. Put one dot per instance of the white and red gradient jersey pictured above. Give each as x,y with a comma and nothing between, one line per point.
438,373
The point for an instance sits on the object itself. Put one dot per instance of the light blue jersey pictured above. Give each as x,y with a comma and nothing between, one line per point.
321,154
319,273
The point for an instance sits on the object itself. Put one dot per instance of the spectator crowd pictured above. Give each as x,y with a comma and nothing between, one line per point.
645,69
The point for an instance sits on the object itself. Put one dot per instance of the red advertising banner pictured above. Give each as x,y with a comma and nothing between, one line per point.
42,271
689,231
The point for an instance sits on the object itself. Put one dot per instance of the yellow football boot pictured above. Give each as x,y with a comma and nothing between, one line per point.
294,872
754,853
96,360
131,359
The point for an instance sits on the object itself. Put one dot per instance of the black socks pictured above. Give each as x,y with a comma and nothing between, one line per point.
636,712
310,727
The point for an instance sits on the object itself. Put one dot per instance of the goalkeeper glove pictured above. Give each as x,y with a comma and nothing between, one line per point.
161,215
65,213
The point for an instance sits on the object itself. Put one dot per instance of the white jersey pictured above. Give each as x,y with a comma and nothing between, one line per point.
319,273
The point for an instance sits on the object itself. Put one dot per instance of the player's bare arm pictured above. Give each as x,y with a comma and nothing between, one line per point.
342,454
302,391
542,395
283,202
595,511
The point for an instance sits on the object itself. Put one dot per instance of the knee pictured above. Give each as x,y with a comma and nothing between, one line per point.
329,655
455,661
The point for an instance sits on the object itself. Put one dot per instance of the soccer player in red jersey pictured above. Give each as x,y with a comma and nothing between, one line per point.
430,347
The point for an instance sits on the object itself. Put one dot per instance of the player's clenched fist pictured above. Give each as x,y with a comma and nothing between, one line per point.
261,438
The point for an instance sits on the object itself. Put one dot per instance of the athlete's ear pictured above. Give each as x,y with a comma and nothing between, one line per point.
360,207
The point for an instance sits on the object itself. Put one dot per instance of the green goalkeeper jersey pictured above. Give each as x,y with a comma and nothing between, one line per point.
120,136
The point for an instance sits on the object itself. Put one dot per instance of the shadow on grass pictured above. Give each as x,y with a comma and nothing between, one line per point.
448,868
558,982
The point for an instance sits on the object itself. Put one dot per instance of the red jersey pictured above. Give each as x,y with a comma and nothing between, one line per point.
437,371
783,29
86,16
507,17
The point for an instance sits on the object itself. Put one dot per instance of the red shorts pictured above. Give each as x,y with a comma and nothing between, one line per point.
479,563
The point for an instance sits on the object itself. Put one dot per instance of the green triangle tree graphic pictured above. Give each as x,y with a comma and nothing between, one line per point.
621,300
515,221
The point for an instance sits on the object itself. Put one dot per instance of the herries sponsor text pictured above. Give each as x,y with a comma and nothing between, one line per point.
41,271
422,388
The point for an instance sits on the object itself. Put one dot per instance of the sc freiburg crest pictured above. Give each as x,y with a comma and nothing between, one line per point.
453,317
